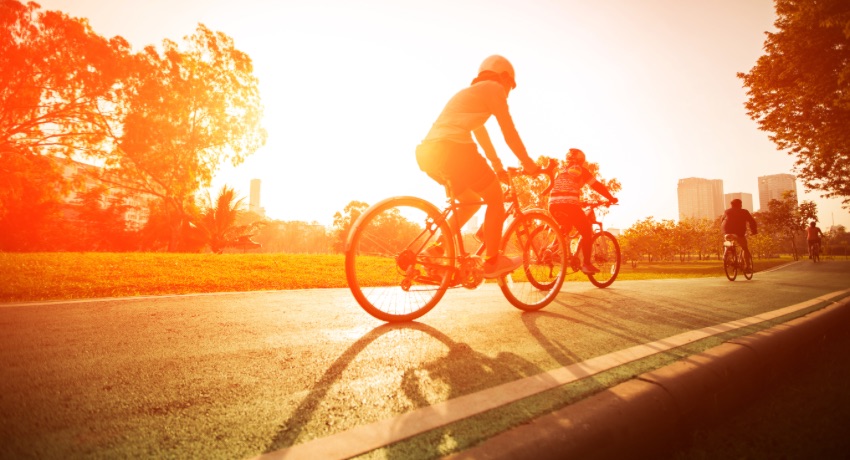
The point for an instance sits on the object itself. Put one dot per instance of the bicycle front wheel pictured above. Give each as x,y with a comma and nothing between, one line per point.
605,255
748,265
533,236
388,265
730,265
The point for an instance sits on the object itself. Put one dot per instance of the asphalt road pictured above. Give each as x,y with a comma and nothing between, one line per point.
242,374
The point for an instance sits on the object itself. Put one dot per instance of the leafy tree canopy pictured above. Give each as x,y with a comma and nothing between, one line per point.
800,91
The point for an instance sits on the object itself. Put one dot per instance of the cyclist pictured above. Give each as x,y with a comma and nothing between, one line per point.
565,202
448,154
734,222
813,236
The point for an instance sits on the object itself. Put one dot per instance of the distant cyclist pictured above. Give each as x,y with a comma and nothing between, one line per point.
565,202
813,237
734,222
448,154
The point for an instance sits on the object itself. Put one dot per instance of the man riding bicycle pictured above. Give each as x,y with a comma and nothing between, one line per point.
449,155
734,222
813,237
565,202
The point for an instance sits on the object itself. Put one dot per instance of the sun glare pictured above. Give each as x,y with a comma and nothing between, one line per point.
647,89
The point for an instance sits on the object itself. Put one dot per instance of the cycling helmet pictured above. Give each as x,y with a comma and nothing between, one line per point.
575,156
500,66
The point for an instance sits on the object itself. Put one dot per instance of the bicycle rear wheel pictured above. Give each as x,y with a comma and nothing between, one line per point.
536,283
605,255
748,265
386,264
730,265
816,253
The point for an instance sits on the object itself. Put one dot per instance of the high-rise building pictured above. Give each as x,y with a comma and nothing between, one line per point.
254,198
746,200
771,188
700,198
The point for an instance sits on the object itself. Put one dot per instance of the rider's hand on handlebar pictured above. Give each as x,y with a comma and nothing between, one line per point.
614,200
530,167
503,176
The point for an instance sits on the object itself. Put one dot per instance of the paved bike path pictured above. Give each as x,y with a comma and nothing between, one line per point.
654,413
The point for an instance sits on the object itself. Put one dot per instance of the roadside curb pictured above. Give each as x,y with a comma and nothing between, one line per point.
655,411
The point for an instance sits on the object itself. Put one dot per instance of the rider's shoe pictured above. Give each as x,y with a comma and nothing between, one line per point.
589,269
500,265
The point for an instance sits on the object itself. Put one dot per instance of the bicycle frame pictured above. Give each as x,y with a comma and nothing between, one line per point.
573,234
423,260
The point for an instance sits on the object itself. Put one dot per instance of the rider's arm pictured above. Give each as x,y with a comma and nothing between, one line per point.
601,189
753,225
483,139
506,124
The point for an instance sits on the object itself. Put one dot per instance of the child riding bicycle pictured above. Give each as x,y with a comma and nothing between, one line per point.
565,202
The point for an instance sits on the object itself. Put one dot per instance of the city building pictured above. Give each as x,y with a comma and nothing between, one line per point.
700,198
746,200
85,178
254,199
771,188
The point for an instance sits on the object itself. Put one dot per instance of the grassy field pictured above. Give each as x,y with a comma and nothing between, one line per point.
61,276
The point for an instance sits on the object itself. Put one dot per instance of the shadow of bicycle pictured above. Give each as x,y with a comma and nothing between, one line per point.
422,366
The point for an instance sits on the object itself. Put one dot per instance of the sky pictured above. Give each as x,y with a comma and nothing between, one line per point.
647,89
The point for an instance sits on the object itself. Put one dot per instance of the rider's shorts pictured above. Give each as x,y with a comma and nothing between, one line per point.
461,164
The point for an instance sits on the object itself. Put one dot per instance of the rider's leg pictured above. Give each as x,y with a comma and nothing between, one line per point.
495,264
465,212
494,217
745,249
584,228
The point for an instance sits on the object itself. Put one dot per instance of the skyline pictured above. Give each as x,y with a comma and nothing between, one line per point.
648,91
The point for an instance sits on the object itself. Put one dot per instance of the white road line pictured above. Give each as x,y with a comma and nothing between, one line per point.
365,438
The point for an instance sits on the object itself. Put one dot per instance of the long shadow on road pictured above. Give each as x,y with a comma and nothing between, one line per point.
461,370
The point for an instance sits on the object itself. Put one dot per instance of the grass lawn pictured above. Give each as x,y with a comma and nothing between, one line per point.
68,275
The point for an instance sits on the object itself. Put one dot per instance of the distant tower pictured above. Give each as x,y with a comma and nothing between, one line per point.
772,186
700,198
254,200
746,200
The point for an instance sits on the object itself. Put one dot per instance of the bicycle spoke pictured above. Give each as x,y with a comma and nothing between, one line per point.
538,280
388,267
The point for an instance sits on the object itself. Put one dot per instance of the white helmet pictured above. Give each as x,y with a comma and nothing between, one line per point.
500,66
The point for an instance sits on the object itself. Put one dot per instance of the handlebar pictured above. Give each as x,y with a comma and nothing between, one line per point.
548,170
596,204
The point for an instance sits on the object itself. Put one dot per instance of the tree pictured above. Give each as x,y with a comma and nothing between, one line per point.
218,220
101,224
343,222
186,113
800,91
787,219
59,86
837,241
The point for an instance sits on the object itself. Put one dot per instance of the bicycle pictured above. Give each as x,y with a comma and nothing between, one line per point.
395,275
814,252
605,249
733,260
